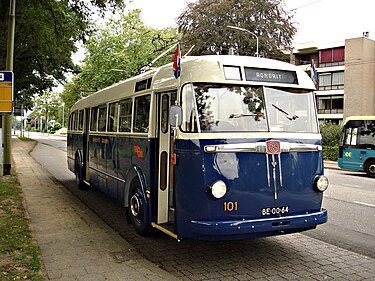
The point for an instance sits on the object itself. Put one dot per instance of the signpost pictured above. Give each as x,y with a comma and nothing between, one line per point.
7,118
6,92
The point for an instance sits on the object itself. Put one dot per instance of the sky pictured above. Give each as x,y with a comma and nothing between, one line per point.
320,21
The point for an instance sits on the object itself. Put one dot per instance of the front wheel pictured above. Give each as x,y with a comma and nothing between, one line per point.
137,209
370,168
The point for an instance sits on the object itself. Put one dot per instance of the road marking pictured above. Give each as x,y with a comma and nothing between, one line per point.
364,204
351,185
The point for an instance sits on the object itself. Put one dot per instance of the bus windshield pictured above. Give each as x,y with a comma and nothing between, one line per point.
224,108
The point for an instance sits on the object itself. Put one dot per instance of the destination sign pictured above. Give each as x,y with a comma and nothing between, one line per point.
6,92
270,75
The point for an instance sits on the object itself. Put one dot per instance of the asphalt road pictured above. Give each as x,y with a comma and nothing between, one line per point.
294,256
350,201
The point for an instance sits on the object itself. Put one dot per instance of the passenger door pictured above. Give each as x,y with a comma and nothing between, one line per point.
165,170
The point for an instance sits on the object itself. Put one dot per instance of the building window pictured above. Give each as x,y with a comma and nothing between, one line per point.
332,57
330,104
331,81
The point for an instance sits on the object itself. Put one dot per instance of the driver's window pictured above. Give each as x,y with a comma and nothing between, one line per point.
188,108
351,136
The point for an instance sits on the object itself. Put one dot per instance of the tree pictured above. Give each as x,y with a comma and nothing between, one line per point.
47,106
204,24
46,33
117,52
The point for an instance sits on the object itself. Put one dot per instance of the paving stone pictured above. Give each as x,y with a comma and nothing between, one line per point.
292,256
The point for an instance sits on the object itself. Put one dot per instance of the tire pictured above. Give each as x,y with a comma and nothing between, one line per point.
138,210
370,168
78,173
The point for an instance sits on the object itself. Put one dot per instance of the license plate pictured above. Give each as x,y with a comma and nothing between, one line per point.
270,211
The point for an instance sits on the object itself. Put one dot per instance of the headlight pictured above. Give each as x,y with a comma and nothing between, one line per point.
218,189
321,183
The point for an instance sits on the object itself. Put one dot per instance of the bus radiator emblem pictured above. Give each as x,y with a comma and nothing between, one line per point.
273,147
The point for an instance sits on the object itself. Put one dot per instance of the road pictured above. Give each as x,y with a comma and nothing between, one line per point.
350,201
350,227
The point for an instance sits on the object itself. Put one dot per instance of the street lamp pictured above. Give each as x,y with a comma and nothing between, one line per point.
252,33
63,105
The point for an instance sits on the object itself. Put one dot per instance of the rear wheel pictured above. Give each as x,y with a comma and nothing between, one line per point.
137,209
370,168
79,174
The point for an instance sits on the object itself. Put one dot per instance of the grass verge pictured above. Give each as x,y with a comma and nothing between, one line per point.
20,257
24,138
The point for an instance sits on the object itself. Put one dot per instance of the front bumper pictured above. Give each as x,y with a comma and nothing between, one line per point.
243,229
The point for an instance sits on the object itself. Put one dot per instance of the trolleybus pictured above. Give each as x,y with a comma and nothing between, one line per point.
357,145
231,149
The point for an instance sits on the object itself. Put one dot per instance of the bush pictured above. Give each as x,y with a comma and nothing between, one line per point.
57,126
331,134
331,153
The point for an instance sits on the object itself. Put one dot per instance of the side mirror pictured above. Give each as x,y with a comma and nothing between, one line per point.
175,115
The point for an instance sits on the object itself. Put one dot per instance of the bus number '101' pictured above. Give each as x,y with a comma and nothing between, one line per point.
230,206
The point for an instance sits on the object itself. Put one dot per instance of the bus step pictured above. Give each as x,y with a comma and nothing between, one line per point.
166,228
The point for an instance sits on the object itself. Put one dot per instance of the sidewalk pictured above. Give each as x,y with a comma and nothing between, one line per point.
74,242
331,165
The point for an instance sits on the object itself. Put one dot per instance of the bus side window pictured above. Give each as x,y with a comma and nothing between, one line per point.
125,118
80,120
94,119
75,120
113,117
102,118
142,114
70,124
367,135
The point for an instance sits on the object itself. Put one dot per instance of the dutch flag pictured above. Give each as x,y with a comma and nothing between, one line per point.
177,62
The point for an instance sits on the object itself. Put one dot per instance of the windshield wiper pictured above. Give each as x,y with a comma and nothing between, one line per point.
286,114
239,115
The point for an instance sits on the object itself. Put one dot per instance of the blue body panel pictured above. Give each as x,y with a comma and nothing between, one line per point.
355,158
245,174
112,161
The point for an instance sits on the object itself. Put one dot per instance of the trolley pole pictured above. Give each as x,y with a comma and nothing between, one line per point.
7,118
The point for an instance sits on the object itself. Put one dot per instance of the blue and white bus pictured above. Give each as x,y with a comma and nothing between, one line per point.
357,145
229,150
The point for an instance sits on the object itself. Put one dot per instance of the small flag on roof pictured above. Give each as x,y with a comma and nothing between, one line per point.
314,73
177,62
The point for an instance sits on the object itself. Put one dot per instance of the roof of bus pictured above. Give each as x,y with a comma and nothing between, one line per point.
205,69
359,118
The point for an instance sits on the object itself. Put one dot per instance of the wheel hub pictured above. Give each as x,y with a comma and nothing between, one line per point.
371,168
135,206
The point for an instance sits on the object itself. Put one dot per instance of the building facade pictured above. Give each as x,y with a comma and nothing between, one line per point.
344,74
